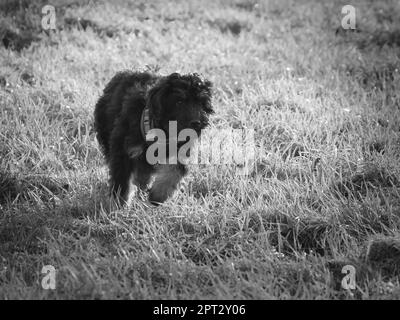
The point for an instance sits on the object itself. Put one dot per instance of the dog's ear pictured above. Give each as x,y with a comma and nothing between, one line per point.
208,108
206,94
207,85
203,88
156,94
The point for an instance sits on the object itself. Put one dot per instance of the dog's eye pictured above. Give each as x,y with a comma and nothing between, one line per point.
179,103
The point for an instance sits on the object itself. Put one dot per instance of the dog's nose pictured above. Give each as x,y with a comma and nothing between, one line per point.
195,124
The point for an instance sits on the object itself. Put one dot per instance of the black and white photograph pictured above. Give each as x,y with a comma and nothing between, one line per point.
216,152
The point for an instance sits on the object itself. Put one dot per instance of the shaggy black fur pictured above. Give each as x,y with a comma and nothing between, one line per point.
182,98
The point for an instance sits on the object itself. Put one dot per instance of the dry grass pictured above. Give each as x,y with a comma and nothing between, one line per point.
324,104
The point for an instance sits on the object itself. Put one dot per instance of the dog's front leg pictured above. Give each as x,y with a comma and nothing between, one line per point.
142,172
120,172
166,181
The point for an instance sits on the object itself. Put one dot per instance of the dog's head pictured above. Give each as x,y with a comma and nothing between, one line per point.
185,99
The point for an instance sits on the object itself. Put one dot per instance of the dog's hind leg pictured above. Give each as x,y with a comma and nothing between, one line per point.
166,182
120,172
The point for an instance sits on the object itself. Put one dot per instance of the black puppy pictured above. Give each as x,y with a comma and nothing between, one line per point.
134,103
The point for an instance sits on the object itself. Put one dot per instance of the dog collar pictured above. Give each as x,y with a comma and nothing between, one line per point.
145,123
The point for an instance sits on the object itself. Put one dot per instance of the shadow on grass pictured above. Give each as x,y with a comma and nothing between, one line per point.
380,39
360,184
365,39
22,25
24,188
376,76
376,267
32,207
234,26
290,236
383,253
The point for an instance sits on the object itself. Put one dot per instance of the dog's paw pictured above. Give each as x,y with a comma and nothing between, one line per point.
156,198
183,186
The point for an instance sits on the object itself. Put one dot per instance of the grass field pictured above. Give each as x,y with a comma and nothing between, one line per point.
324,191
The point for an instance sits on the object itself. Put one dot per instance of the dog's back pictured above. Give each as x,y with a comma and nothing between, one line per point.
109,106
